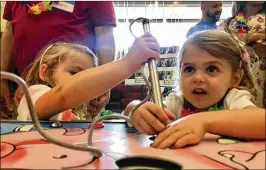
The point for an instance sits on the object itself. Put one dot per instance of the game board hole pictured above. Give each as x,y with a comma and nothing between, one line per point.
146,162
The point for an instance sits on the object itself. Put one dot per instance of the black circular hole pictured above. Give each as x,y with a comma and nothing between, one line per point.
147,162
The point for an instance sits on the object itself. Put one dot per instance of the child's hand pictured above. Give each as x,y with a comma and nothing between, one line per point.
186,131
143,48
151,119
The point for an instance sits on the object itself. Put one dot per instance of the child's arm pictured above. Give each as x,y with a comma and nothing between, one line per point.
241,123
90,83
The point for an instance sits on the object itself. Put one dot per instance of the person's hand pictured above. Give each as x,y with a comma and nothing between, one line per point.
143,48
186,131
151,119
5,93
96,105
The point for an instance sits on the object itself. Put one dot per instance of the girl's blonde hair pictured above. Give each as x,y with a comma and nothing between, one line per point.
52,55
225,46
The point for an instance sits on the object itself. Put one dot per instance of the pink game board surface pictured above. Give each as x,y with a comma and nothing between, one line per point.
28,150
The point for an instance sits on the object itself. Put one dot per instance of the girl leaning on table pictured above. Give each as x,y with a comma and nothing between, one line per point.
216,83
64,76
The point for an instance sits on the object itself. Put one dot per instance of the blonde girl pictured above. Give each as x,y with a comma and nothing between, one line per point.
62,77
216,85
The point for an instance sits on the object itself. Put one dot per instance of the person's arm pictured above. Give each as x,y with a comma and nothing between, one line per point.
6,60
242,123
105,44
102,17
7,48
92,82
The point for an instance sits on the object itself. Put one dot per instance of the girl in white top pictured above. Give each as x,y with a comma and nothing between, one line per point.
216,85
62,77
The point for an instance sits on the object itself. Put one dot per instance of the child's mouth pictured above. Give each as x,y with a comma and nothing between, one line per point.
199,91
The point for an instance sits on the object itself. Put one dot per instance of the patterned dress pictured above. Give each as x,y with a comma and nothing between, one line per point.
255,24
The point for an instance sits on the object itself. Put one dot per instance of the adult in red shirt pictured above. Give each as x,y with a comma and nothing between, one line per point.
89,23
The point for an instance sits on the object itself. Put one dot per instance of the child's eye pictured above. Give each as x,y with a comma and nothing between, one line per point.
188,69
73,72
212,69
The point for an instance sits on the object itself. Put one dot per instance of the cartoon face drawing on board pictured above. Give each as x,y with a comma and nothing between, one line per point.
235,153
29,150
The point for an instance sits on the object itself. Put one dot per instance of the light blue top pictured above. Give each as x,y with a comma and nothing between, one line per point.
202,25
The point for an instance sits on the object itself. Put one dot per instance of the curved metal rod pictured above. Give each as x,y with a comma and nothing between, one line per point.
130,25
146,79
112,116
94,151
149,93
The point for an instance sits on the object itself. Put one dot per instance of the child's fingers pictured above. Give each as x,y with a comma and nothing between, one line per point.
170,115
153,46
150,39
149,130
152,53
168,139
162,136
158,112
139,128
153,121
188,139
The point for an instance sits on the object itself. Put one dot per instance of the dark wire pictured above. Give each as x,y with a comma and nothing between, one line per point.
131,23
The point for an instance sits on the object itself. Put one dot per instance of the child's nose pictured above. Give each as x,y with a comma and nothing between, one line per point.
198,78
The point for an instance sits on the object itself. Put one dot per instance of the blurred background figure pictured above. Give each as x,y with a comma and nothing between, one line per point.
211,12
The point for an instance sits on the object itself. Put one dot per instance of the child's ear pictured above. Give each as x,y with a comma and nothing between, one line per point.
236,78
42,71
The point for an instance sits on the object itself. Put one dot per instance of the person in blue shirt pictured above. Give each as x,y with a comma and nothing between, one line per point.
211,12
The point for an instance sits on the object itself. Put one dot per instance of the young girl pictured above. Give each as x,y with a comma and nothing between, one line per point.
62,77
216,84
